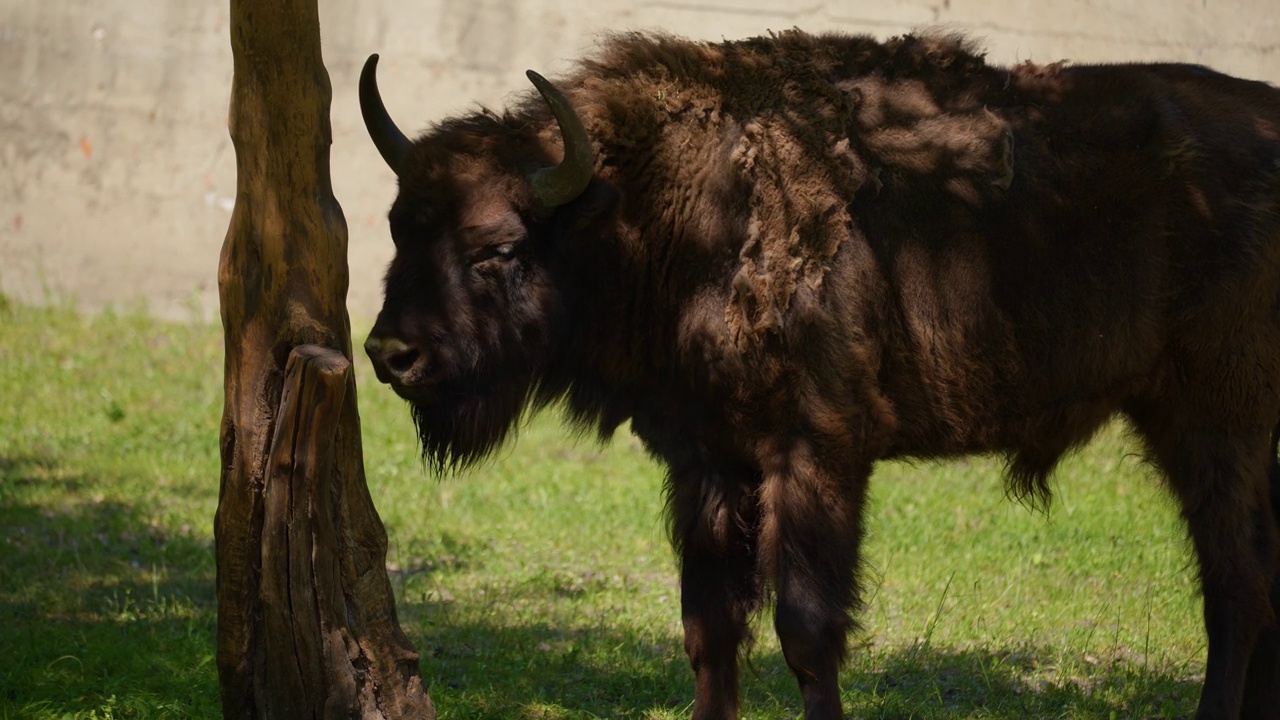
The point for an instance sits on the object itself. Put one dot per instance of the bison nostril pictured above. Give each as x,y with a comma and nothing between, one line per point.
392,358
400,362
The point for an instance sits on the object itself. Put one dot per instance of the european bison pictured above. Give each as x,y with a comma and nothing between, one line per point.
785,258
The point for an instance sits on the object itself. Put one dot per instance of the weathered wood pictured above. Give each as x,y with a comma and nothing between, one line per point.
297,530
306,616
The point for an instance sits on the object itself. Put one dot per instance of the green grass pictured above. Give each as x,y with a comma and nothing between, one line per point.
541,585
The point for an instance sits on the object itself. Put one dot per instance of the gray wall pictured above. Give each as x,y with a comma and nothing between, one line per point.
118,175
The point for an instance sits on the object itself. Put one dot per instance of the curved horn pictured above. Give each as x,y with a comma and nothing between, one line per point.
559,184
391,143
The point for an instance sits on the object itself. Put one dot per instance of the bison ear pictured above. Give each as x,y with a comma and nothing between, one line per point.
586,214
557,185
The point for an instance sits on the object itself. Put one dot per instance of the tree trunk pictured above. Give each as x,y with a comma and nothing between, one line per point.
306,617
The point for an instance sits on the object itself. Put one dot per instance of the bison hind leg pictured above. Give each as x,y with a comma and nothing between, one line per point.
1262,683
1223,478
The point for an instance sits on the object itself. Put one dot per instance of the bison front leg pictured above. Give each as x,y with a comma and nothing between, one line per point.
714,531
811,530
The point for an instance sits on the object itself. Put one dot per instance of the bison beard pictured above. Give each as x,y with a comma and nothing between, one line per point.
467,422
473,410
786,258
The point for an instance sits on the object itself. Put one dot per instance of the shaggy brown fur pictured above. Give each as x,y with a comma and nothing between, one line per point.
801,254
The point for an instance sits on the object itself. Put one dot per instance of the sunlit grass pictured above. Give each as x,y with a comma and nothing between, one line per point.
541,585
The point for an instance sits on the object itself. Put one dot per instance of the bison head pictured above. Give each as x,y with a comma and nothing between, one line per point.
473,311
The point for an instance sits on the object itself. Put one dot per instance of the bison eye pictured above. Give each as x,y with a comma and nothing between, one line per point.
497,251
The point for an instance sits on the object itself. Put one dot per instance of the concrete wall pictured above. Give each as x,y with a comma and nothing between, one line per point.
117,175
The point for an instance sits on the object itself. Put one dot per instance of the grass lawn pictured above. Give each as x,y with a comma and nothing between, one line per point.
541,585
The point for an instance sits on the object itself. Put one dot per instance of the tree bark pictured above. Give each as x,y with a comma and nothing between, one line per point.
307,624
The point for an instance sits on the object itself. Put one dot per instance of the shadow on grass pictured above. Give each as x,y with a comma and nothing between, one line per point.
481,670
1011,683
103,613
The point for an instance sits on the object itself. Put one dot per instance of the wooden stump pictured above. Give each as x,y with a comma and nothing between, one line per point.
306,616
